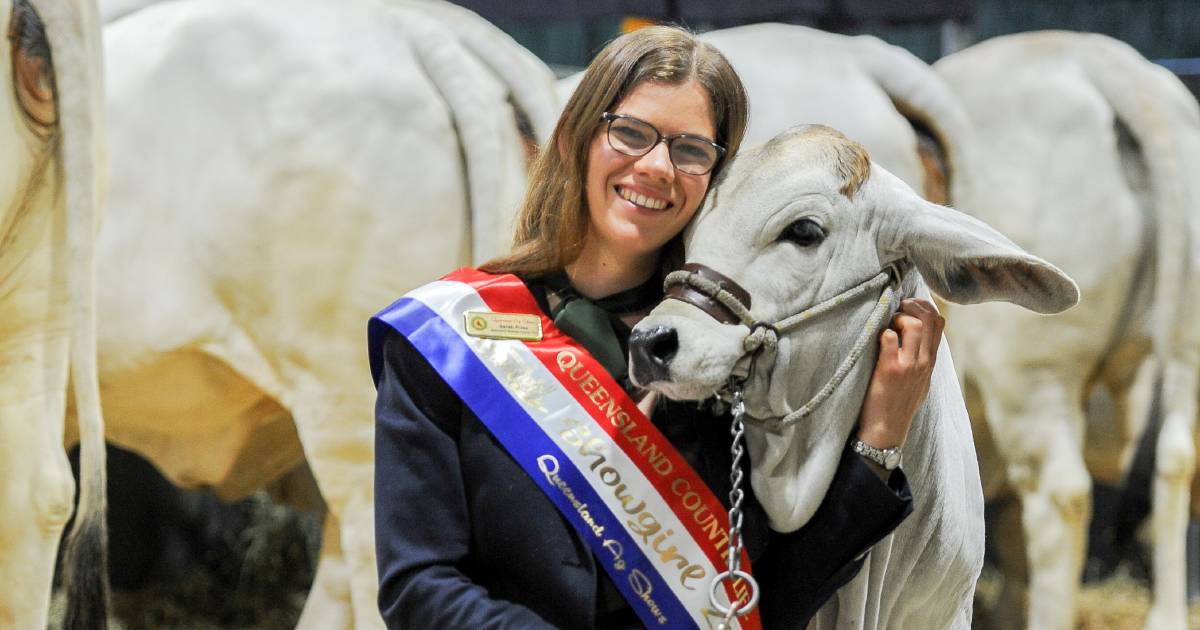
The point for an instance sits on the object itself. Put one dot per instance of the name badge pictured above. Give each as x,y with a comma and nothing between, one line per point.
491,325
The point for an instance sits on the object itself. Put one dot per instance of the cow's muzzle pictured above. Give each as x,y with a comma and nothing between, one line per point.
652,351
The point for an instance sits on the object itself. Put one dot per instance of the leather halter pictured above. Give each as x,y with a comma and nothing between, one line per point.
686,292
729,303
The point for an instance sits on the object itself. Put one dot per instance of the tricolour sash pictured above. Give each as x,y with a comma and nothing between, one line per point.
650,521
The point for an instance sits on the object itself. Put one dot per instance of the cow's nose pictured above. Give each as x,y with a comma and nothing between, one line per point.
652,350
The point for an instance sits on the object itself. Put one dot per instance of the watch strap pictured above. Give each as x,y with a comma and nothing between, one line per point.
887,458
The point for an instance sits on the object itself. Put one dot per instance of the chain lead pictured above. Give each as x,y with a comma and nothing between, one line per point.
736,495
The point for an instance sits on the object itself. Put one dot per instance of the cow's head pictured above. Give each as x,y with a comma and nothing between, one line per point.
793,223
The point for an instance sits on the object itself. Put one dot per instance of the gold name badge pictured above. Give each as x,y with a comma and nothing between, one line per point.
504,325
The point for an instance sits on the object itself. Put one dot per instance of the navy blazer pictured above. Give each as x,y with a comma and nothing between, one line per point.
465,539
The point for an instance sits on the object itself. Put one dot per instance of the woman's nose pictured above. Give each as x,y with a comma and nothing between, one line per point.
657,163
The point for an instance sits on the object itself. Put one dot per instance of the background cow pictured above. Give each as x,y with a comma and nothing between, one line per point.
281,170
52,138
1088,158
879,95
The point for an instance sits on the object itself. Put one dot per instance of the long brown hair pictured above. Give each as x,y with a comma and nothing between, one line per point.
554,218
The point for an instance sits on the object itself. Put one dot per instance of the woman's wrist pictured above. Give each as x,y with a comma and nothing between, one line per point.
879,435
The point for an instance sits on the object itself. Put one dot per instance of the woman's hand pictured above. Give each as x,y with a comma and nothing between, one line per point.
907,352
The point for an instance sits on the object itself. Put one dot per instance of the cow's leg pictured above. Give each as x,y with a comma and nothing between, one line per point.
1005,538
339,444
36,487
328,603
37,490
358,538
1037,420
1173,474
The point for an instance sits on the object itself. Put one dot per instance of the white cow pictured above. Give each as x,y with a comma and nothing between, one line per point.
879,95
282,170
51,132
1091,152
796,223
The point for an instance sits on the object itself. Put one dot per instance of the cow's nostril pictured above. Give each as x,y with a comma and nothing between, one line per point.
664,345
651,351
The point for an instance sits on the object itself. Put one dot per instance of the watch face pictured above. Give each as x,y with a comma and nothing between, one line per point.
892,459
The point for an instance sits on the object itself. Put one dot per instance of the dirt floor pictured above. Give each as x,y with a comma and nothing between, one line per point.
1120,604
1117,603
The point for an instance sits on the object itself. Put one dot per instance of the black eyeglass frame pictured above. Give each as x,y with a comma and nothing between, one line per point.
610,117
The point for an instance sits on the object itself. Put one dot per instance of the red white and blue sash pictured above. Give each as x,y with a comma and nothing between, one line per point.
649,519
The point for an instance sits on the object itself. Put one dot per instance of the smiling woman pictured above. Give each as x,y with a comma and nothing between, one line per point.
552,492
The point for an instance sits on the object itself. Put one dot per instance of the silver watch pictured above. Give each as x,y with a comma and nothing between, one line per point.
888,458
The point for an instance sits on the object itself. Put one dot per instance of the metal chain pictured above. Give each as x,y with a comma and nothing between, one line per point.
737,430
736,495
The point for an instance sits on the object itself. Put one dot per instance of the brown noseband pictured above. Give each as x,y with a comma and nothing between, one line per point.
718,311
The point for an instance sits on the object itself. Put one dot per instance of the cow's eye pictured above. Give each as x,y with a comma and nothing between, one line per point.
805,233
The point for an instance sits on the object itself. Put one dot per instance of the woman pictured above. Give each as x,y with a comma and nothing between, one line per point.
469,537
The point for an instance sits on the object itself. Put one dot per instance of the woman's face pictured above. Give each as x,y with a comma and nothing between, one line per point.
637,204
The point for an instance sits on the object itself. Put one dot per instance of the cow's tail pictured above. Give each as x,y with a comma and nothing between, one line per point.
1163,117
73,30
925,99
530,82
487,135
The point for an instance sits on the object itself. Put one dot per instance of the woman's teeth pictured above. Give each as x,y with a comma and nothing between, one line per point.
641,200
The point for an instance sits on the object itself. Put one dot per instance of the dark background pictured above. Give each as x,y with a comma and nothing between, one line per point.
566,33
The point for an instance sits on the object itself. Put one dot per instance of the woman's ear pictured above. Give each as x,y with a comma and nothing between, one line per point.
966,261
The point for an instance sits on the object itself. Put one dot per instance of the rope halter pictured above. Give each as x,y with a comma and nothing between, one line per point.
728,303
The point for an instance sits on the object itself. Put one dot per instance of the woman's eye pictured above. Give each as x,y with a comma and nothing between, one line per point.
805,233
632,136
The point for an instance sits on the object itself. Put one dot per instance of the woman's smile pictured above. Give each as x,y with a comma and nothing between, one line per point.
641,198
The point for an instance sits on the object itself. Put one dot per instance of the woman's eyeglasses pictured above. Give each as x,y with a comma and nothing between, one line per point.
694,155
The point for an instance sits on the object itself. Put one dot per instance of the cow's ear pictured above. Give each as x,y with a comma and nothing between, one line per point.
32,76
966,261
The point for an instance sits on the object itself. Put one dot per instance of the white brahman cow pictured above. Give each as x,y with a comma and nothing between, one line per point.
51,133
804,220
1091,157
283,169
